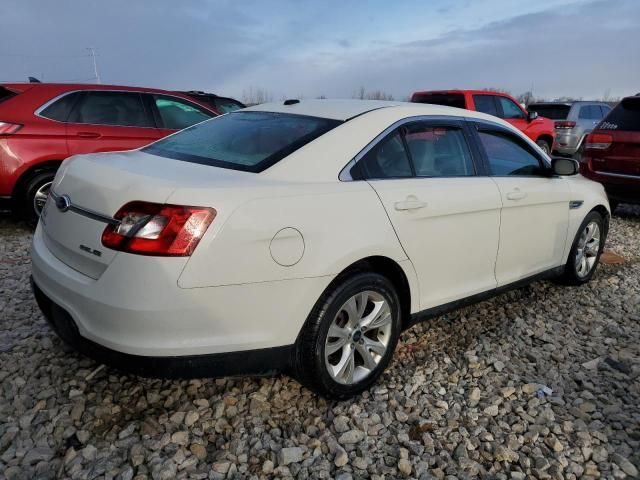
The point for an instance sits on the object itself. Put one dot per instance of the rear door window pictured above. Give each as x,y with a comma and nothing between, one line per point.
387,159
111,108
446,99
60,109
176,114
486,104
248,141
625,116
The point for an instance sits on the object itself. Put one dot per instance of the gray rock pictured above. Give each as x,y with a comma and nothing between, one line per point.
290,455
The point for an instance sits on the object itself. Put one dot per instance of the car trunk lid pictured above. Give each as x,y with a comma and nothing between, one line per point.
94,187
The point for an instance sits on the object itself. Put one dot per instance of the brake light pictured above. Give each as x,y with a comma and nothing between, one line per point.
564,125
7,128
155,229
599,141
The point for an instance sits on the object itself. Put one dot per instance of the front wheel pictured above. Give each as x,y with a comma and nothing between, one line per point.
544,145
349,337
585,251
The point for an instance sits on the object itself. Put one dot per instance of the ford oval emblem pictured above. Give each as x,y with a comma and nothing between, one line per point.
63,203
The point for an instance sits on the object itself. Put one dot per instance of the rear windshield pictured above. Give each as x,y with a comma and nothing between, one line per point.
625,116
6,94
554,112
446,99
248,141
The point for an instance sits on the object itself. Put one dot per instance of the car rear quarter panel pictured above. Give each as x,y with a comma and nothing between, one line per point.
340,223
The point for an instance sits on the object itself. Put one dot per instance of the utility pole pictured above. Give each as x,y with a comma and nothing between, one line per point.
95,64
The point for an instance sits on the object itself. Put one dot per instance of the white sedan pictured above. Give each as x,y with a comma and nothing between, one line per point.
303,237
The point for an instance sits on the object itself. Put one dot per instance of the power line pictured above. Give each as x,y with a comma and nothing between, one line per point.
42,56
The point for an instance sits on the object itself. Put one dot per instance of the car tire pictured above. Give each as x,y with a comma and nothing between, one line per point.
584,255
34,196
544,145
334,364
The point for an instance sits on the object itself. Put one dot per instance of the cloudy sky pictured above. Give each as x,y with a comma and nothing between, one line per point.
580,48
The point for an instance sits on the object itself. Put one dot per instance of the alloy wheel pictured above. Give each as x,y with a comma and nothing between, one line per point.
358,337
588,249
40,197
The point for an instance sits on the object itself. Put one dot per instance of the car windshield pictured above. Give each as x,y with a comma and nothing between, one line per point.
554,112
248,141
626,116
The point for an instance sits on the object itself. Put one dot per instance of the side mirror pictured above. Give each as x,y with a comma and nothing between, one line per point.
531,116
564,166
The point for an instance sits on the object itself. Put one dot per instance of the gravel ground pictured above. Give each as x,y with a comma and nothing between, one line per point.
464,397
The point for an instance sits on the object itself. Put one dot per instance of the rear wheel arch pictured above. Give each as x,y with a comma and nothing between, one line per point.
546,138
389,269
28,174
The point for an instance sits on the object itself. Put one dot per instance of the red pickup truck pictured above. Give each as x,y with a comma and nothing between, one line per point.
539,129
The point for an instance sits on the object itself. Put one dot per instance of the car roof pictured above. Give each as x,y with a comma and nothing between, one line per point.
337,109
86,86
462,91
346,109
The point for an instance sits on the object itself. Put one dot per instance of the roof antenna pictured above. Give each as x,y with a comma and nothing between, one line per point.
34,80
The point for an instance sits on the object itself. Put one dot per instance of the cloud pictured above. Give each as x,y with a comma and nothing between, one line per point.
305,48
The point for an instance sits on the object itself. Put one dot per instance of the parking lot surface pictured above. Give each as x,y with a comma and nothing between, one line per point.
542,382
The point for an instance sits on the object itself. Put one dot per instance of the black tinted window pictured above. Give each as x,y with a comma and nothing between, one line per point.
176,114
554,112
388,159
61,108
111,108
438,151
507,156
486,104
625,116
249,141
509,108
590,112
447,99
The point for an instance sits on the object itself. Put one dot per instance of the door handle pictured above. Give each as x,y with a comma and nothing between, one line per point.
89,134
411,203
516,194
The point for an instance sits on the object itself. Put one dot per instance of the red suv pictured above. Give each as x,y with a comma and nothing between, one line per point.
539,129
42,124
612,153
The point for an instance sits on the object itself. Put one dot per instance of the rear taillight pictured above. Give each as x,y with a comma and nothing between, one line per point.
156,229
7,128
564,125
598,141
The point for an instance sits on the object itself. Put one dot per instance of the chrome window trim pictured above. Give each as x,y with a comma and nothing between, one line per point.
345,176
86,212
38,111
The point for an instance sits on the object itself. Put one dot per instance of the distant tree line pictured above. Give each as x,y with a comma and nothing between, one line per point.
254,96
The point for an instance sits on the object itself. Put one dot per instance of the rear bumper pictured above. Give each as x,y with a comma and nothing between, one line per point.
136,308
252,362
567,144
